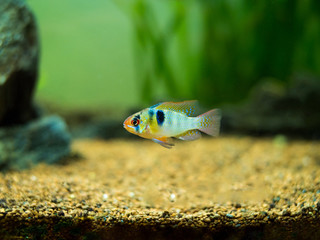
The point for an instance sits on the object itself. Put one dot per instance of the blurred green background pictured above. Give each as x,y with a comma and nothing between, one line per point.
86,55
127,53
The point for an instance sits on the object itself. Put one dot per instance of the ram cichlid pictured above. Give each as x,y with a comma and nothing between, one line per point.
165,120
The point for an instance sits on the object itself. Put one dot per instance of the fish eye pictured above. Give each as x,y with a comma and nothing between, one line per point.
135,122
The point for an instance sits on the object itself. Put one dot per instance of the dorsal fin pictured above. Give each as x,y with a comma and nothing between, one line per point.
186,107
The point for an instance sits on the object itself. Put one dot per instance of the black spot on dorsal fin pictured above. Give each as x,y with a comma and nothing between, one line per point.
160,117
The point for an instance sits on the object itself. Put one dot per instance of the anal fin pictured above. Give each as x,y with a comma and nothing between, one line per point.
164,141
190,135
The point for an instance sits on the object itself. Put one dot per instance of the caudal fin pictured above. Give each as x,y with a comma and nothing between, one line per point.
209,122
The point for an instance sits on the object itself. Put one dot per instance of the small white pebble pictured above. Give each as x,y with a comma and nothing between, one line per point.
33,178
172,197
72,196
131,194
105,196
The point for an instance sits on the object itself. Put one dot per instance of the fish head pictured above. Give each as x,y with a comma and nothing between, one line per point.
136,123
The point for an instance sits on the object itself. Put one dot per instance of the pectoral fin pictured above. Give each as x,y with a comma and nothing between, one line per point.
164,141
190,135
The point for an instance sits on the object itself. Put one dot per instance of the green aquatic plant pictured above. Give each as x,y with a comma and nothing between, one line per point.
217,50
152,40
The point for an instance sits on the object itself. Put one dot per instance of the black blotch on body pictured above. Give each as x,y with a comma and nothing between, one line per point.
160,117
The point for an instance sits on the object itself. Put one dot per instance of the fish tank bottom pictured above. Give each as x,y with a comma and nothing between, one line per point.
226,187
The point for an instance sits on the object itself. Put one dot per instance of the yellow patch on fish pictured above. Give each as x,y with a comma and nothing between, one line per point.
165,120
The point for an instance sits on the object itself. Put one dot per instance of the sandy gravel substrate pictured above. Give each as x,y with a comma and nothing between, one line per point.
228,187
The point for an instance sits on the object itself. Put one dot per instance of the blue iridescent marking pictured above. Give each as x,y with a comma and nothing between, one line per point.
137,128
160,117
156,105
151,113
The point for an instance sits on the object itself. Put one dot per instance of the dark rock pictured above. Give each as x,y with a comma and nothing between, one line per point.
98,205
19,54
237,205
286,212
277,109
263,213
61,213
3,203
276,199
165,214
272,205
43,140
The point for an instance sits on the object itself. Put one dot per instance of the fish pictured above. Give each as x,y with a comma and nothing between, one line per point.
167,120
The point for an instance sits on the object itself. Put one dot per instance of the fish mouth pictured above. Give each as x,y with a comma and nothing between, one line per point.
126,123
128,127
